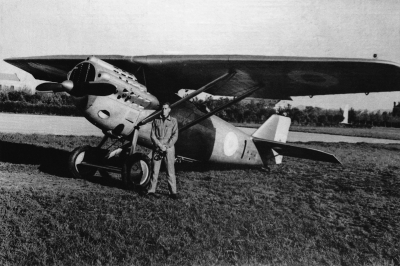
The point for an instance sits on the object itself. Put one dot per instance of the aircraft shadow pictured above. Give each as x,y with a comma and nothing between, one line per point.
50,160
55,162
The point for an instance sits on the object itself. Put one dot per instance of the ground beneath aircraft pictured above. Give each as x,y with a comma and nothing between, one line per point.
302,212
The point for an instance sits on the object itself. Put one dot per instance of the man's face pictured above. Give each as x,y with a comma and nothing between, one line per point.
165,110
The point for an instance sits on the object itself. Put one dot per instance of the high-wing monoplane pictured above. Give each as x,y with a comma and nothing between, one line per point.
121,95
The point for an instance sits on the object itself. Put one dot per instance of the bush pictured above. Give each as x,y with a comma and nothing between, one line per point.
40,108
24,101
16,96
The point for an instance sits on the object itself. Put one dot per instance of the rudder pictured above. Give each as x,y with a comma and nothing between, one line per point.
276,128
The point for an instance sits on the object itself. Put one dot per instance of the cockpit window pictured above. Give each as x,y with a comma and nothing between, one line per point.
83,72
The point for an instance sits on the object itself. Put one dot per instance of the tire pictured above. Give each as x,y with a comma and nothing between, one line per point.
77,156
136,171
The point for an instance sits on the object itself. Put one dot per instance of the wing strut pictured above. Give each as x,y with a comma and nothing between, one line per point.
216,110
225,78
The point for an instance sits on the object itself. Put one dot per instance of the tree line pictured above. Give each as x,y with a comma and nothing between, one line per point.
256,112
23,101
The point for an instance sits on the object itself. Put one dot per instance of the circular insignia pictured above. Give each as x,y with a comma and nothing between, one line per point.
313,78
231,144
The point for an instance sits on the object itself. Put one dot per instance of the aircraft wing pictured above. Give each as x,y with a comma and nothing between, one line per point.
294,151
281,77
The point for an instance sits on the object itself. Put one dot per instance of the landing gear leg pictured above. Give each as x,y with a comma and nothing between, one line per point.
103,140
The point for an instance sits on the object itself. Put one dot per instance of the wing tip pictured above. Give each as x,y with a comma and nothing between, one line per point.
335,160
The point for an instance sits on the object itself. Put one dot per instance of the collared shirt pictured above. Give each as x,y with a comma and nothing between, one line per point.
164,131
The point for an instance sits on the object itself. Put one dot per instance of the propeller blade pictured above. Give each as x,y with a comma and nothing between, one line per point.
80,89
66,86
50,87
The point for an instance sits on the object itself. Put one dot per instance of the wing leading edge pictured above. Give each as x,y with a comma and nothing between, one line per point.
281,77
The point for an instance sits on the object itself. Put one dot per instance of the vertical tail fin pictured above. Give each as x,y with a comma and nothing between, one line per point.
276,128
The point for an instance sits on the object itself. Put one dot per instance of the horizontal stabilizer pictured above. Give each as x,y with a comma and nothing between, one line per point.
294,151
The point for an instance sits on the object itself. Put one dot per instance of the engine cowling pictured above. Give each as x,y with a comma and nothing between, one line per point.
119,111
128,91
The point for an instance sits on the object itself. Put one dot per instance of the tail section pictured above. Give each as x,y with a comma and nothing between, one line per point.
276,129
270,141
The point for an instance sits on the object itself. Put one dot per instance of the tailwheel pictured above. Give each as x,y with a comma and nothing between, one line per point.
136,171
80,155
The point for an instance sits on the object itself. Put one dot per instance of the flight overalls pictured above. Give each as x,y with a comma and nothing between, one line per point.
164,132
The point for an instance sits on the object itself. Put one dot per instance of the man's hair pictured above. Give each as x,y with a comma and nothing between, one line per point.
166,103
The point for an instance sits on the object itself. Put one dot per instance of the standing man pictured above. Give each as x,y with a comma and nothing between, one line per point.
164,134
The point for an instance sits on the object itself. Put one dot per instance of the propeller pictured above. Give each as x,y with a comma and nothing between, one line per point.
66,86
80,89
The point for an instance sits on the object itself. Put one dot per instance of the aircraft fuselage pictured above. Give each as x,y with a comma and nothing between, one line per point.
212,140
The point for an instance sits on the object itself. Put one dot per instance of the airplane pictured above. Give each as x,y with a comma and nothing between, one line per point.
123,104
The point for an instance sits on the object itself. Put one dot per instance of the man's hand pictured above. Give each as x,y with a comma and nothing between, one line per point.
163,147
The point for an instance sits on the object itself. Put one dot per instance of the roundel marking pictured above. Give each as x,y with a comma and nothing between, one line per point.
313,78
231,144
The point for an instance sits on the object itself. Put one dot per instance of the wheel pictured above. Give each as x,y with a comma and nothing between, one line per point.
136,171
76,158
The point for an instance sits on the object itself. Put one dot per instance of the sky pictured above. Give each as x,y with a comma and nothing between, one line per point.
312,28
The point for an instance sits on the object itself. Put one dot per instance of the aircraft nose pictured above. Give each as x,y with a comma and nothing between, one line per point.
68,85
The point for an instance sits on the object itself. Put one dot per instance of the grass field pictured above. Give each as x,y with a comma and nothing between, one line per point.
300,213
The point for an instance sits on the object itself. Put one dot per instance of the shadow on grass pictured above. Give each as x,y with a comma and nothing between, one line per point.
55,162
50,160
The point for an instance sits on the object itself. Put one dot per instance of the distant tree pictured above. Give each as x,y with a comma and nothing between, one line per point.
385,118
259,111
311,114
352,115
322,119
364,117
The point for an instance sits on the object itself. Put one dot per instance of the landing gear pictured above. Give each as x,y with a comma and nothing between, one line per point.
75,162
136,171
123,162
